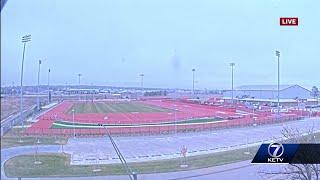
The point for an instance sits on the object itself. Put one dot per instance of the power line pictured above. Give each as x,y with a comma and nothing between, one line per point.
120,156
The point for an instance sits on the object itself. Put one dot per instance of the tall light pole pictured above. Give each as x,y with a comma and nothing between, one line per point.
79,76
66,86
25,39
38,97
278,55
141,75
74,130
175,120
193,71
92,93
49,99
232,67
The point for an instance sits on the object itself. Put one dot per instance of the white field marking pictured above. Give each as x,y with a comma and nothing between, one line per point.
142,125
24,126
221,112
241,114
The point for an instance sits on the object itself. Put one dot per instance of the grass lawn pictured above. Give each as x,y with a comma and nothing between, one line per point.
114,107
11,139
58,164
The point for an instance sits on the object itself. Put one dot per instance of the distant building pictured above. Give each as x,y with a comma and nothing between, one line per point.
82,91
269,92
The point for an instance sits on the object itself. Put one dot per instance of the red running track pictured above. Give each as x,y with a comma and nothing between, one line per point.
184,111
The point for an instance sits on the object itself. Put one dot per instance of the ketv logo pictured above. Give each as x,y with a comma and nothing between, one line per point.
289,21
275,150
288,153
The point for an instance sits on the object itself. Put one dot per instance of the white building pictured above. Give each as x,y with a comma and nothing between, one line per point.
269,92
82,91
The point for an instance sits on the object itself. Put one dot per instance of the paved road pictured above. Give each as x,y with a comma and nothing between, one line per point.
143,148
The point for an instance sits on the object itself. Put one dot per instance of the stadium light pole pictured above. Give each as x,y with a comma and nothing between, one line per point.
175,120
49,85
25,39
38,97
79,76
232,68
193,71
92,93
66,84
141,75
278,55
74,130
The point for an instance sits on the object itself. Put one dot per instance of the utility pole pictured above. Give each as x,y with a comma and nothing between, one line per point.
132,175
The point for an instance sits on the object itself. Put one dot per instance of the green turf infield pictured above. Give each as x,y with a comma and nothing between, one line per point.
114,107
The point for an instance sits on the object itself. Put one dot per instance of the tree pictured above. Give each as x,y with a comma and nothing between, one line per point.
315,92
299,171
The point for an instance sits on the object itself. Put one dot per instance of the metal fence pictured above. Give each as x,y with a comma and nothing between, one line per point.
149,130
13,120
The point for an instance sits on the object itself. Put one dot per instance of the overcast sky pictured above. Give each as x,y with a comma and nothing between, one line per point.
111,42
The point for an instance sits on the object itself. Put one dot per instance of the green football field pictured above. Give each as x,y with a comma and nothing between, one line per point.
113,107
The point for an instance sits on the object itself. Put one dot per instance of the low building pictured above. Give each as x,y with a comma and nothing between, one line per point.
81,91
269,92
